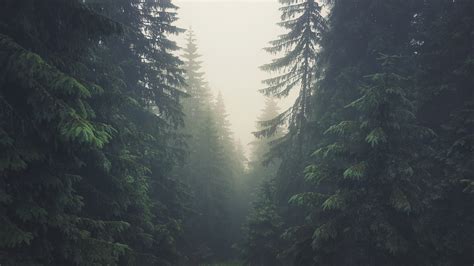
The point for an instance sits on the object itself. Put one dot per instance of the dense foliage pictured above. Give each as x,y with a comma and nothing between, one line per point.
389,177
115,151
89,107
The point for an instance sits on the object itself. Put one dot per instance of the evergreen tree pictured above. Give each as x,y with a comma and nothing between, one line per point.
209,169
444,54
104,161
262,244
375,175
234,172
225,135
303,20
101,122
48,126
296,70
262,165
143,85
377,194
368,172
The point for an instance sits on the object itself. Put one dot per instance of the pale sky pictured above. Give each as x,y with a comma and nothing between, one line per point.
231,35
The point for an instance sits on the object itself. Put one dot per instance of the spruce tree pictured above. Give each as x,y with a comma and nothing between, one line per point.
101,123
262,165
444,54
144,81
48,127
207,170
234,172
295,70
304,23
370,172
261,244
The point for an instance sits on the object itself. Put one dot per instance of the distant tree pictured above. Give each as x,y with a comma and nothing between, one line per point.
225,134
211,166
262,166
260,147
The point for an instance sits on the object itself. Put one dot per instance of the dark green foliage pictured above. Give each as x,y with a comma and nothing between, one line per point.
375,174
444,46
390,182
114,152
261,240
294,70
47,125
143,101
87,143
263,229
368,172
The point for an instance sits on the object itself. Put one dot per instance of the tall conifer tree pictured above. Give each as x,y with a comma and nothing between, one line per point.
48,128
111,116
303,20
208,170
444,52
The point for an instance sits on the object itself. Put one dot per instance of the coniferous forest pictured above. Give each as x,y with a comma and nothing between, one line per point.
116,148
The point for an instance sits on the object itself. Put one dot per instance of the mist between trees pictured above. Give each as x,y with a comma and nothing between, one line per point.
115,151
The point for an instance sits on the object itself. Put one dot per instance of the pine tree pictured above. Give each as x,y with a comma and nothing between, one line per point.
100,119
260,155
145,107
390,115
296,70
234,172
371,169
48,125
305,24
377,173
225,135
262,244
208,170
444,54
262,166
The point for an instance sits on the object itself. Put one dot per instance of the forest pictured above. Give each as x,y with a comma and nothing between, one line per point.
116,149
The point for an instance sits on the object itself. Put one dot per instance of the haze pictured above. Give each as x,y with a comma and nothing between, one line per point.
231,36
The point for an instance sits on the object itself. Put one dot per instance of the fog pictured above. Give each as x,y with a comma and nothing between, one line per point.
231,36
104,161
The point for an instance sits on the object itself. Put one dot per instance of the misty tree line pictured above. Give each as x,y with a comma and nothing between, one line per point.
377,165
212,170
113,150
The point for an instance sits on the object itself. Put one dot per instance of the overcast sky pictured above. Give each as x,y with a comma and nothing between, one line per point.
231,35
